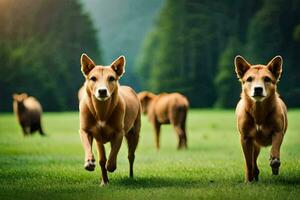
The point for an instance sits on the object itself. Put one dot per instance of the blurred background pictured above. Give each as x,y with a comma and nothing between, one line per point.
184,45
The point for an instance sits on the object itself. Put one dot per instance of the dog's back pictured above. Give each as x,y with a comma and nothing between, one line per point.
170,107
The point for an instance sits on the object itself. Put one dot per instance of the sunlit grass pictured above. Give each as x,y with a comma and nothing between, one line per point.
213,167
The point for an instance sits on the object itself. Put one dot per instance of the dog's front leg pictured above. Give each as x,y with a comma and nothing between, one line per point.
87,141
247,145
275,152
102,162
116,142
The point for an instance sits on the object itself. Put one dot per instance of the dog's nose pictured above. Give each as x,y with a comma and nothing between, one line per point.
102,92
258,91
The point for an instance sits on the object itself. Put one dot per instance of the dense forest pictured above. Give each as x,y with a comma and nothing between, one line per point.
184,45
193,44
41,42
123,26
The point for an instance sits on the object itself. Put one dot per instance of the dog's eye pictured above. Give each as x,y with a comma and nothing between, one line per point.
267,79
111,79
93,78
249,79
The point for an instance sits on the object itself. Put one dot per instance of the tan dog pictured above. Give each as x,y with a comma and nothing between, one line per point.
261,114
28,111
165,109
107,113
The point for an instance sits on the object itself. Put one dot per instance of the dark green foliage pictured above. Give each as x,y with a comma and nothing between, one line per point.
226,81
275,30
193,45
41,43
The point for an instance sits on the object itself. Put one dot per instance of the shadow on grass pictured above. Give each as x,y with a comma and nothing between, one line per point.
166,182
159,182
293,181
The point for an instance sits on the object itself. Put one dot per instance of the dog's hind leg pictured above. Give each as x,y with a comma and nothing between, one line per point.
102,162
26,130
157,134
41,130
181,136
178,119
183,124
132,141
275,152
256,150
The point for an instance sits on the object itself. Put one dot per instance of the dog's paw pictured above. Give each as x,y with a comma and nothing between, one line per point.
90,165
275,164
248,182
103,183
111,167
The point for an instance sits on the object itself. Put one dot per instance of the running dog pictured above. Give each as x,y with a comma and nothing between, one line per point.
261,114
108,112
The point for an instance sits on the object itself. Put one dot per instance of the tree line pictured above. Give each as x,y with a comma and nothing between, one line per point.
190,49
193,44
40,46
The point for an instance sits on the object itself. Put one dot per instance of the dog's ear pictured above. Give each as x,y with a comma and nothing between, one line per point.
15,96
119,65
24,95
87,64
241,66
275,66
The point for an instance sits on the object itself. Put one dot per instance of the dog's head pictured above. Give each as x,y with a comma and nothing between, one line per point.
145,98
19,98
102,81
258,81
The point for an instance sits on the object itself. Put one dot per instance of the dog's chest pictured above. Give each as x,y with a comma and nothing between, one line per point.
263,130
102,131
263,134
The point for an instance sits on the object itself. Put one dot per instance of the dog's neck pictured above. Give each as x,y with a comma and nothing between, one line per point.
260,110
102,110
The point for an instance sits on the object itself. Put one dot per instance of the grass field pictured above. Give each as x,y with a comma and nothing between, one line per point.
212,168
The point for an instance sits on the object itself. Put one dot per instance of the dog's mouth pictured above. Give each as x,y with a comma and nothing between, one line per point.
257,97
102,98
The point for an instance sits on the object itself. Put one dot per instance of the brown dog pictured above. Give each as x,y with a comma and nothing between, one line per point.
28,111
107,113
165,109
261,114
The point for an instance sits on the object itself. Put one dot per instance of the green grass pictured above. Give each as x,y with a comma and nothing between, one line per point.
212,168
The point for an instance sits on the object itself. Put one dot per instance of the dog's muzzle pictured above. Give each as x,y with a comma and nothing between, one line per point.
258,91
102,94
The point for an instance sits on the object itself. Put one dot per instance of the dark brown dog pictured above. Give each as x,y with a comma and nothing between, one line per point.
261,114
165,109
107,113
28,111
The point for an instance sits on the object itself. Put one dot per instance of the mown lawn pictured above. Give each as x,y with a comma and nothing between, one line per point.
212,168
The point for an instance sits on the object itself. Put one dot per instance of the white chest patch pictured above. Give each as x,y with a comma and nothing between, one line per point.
101,123
258,128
